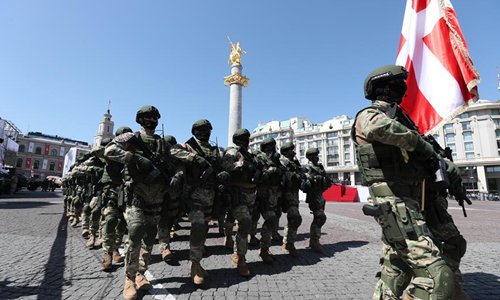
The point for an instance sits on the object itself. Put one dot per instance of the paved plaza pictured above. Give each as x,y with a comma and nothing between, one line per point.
45,258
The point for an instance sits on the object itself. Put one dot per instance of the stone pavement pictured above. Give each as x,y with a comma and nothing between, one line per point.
44,258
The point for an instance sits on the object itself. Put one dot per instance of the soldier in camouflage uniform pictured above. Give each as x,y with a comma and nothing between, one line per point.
143,154
393,160
169,213
113,197
290,196
315,183
202,181
242,190
268,194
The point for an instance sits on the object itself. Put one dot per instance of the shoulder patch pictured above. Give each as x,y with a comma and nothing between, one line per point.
123,138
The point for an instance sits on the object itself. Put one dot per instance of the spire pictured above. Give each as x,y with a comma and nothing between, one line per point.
109,106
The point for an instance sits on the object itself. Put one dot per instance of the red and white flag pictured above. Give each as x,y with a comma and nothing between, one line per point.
441,80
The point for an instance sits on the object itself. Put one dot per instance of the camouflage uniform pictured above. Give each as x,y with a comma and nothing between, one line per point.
392,157
242,190
268,194
315,183
290,197
201,190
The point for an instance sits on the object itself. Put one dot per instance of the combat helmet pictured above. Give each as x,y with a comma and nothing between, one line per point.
267,143
379,77
312,152
122,130
203,123
170,139
287,146
146,110
241,136
105,141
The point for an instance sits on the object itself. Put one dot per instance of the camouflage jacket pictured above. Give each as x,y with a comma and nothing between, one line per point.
293,174
241,166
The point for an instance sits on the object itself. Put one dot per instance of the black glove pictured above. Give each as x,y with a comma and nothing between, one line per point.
201,162
176,183
223,177
143,164
424,149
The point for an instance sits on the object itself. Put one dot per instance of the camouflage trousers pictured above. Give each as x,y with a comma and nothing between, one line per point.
75,206
410,259
169,216
202,201
267,203
142,228
242,204
292,215
316,204
91,215
113,229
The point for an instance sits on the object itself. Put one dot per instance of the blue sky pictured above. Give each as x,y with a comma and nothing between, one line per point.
61,61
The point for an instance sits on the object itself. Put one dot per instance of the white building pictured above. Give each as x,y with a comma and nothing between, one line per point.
105,130
474,137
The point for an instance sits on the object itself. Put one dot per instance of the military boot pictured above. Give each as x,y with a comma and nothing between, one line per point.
142,283
277,237
106,262
85,233
290,248
197,273
266,255
117,257
316,246
229,242
91,241
75,221
253,241
407,297
129,289
241,266
98,242
166,255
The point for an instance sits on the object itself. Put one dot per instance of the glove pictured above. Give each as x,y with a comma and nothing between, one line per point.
143,163
424,149
201,162
176,183
223,177
452,170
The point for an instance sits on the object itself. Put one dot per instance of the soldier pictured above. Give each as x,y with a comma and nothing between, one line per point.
393,160
242,190
290,197
268,194
113,203
169,214
145,156
202,181
314,185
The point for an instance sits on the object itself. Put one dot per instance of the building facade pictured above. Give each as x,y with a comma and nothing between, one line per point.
40,155
474,137
8,144
105,129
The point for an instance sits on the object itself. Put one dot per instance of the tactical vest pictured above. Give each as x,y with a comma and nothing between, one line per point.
246,174
379,162
211,154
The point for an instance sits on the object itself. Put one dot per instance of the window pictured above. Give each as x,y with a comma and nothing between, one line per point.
466,125
450,137
21,148
493,169
495,112
347,148
453,147
36,165
448,128
469,146
497,132
347,156
53,152
465,115
332,164
333,142
468,136
19,163
38,150
332,157
497,122
52,166
332,134
469,155
332,149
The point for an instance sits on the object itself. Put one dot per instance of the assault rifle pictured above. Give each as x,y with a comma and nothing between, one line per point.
161,166
455,188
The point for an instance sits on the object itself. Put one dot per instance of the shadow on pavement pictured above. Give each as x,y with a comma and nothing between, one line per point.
23,204
14,292
53,279
30,194
226,277
482,285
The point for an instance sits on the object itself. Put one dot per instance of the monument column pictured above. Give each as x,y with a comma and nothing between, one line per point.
236,82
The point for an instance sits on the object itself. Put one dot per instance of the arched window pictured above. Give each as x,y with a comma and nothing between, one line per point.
52,166
19,162
36,165
38,150
53,152
21,148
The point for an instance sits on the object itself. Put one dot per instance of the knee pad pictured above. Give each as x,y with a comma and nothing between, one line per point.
136,232
455,247
319,218
294,218
86,209
435,281
244,224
